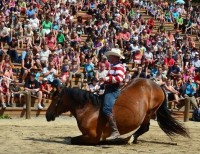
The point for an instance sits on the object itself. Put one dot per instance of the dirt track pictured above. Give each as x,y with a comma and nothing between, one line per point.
38,136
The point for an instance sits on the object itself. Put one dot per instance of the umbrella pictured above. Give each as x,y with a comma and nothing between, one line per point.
180,2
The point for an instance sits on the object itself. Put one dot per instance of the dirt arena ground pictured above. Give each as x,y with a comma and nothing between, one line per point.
39,136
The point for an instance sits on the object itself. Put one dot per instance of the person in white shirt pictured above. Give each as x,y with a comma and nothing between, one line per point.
94,86
148,57
4,34
44,54
34,21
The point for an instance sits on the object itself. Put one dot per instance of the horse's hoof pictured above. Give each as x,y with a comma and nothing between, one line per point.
68,140
130,141
135,141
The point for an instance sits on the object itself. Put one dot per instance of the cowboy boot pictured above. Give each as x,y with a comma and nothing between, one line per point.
115,133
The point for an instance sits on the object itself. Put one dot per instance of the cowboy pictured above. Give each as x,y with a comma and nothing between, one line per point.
112,81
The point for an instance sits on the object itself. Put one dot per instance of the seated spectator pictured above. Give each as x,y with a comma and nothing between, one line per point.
44,54
94,86
179,22
139,73
127,76
50,72
101,72
89,68
196,62
4,35
15,92
64,75
171,92
28,35
4,91
46,26
33,86
174,70
85,85
50,41
137,57
12,51
55,28
74,69
45,88
37,41
6,60
25,52
8,73
60,37
27,65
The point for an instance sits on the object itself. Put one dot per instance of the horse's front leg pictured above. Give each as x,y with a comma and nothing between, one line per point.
84,140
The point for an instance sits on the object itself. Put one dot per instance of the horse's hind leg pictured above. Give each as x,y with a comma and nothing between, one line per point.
84,140
143,129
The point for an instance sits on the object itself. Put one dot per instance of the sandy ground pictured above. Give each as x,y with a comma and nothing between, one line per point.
39,136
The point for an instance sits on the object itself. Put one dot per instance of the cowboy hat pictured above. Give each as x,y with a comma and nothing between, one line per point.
115,52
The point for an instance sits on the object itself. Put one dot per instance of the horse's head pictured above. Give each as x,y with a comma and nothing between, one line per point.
58,106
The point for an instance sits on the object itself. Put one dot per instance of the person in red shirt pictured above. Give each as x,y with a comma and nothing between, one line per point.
112,82
50,40
45,88
151,23
169,61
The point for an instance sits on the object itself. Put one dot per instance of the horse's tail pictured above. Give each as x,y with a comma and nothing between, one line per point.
167,123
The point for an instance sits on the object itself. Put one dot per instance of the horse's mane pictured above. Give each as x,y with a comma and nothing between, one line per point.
81,97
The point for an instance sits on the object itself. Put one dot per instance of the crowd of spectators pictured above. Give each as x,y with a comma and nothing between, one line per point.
50,35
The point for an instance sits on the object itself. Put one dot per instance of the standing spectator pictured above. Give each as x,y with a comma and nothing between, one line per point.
189,91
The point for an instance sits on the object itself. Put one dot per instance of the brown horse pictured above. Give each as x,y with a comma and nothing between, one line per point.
137,103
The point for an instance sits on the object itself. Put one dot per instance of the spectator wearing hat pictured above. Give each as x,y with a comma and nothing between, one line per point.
33,86
45,88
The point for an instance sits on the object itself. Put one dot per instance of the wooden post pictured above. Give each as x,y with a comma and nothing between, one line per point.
28,105
187,109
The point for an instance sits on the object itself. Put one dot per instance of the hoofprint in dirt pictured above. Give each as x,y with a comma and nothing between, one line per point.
39,136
